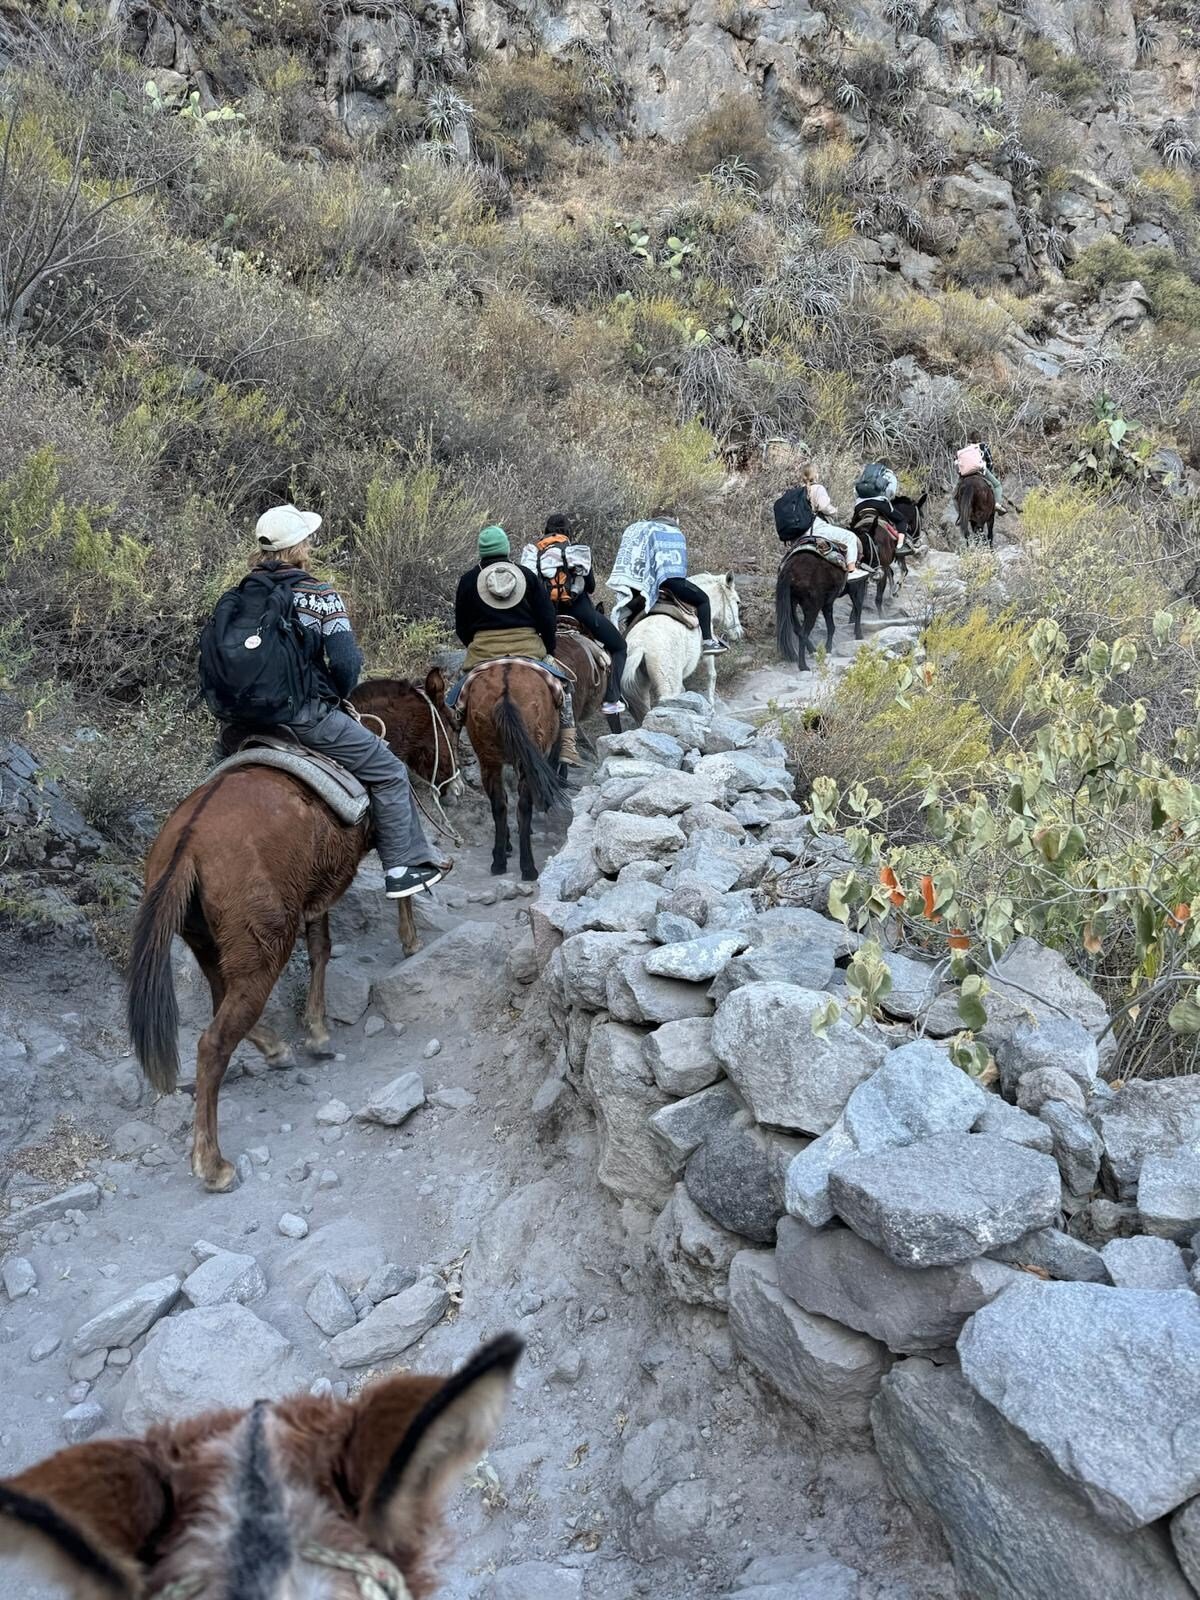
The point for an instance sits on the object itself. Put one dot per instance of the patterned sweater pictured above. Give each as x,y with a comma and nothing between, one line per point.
320,607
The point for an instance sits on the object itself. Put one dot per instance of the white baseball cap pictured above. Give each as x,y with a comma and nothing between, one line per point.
283,527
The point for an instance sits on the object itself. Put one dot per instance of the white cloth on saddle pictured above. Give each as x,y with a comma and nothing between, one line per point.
649,553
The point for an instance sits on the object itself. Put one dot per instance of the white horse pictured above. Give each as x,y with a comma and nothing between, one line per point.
664,654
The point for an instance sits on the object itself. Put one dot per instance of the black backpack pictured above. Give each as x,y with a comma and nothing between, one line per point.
256,657
793,514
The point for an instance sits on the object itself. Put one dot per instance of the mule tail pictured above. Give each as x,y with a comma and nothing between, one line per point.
521,752
151,1007
787,639
635,681
962,504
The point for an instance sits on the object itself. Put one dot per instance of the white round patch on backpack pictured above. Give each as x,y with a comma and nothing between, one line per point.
253,642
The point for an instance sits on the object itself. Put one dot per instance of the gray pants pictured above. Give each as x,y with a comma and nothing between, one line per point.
399,836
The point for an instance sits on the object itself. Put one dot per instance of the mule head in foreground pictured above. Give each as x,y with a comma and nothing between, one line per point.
304,1497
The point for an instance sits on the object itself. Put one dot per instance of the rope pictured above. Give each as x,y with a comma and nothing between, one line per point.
445,827
378,1578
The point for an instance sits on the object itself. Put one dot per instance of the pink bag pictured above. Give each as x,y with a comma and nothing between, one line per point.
970,459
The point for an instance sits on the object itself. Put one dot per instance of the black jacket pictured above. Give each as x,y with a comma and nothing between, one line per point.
473,615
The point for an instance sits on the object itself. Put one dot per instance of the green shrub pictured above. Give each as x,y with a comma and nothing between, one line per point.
1174,296
1069,77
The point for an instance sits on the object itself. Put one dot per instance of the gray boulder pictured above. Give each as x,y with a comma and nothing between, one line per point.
1048,1083
1105,1381
829,1373
789,1077
743,770
694,1252
726,733
946,1199
79,1197
623,908
660,749
669,927
672,793
683,1125
329,1306
225,1277
535,1580
917,1092
206,1359
394,1102
20,1277
1185,1537
1006,1122
392,1326
807,963
1028,977
714,866
695,960
620,839
682,723
825,1580
1017,1530
1148,1117
119,1325
1020,1046
1077,1147
737,1176
634,1163
834,1273
915,986
347,989
1168,1195
680,1056
1056,1254
635,995
1144,1263
587,961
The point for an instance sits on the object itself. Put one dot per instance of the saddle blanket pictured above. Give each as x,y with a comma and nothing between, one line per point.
677,610
340,790
554,673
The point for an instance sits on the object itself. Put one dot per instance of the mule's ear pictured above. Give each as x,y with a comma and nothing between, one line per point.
435,685
729,579
408,1473
85,1514
922,500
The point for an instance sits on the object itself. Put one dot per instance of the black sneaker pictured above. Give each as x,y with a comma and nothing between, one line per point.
401,882
713,647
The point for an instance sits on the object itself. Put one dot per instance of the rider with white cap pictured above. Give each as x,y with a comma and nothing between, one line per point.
410,863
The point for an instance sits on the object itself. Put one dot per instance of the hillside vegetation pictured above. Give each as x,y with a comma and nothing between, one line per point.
421,267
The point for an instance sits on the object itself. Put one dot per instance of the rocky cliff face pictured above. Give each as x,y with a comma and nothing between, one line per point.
1009,137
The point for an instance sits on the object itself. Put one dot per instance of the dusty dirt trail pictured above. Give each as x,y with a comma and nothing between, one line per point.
623,1394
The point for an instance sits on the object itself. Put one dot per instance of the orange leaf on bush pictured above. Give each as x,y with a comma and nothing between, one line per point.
889,880
1181,913
958,940
929,898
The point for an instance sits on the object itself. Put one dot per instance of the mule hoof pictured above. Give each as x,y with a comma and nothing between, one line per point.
319,1050
529,877
281,1060
221,1180
498,870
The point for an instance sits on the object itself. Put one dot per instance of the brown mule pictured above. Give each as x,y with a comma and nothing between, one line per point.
975,505
806,587
240,866
299,1496
512,719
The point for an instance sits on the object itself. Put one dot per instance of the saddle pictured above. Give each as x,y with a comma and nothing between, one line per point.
598,657
340,790
677,610
827,551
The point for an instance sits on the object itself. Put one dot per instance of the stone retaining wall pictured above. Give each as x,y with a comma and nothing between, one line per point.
994,1287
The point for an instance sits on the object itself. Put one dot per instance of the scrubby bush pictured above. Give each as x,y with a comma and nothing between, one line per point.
1174,295
734,134
1069,77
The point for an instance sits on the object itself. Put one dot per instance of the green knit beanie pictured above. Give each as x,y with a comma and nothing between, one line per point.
493,541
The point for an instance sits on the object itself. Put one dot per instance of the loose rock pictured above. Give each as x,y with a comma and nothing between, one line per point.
1168,1195
126,1321
395,1101
175,1375
82,1421
292,1226
19,1276
225,1277
393,1326
633,1162
620,839
737,1175
681,1057
1145,1264
693,1252
694,960
329,1306
1058,1254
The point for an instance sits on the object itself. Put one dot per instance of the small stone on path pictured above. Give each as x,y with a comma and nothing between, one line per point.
292,1227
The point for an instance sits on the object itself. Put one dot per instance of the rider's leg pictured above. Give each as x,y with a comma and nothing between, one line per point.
409,861
695,596
568,750
613,641
994,482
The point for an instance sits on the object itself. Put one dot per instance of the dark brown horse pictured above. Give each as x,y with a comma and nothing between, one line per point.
806,587
246,861
590,684
512,719
883,537
975,504
908,515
